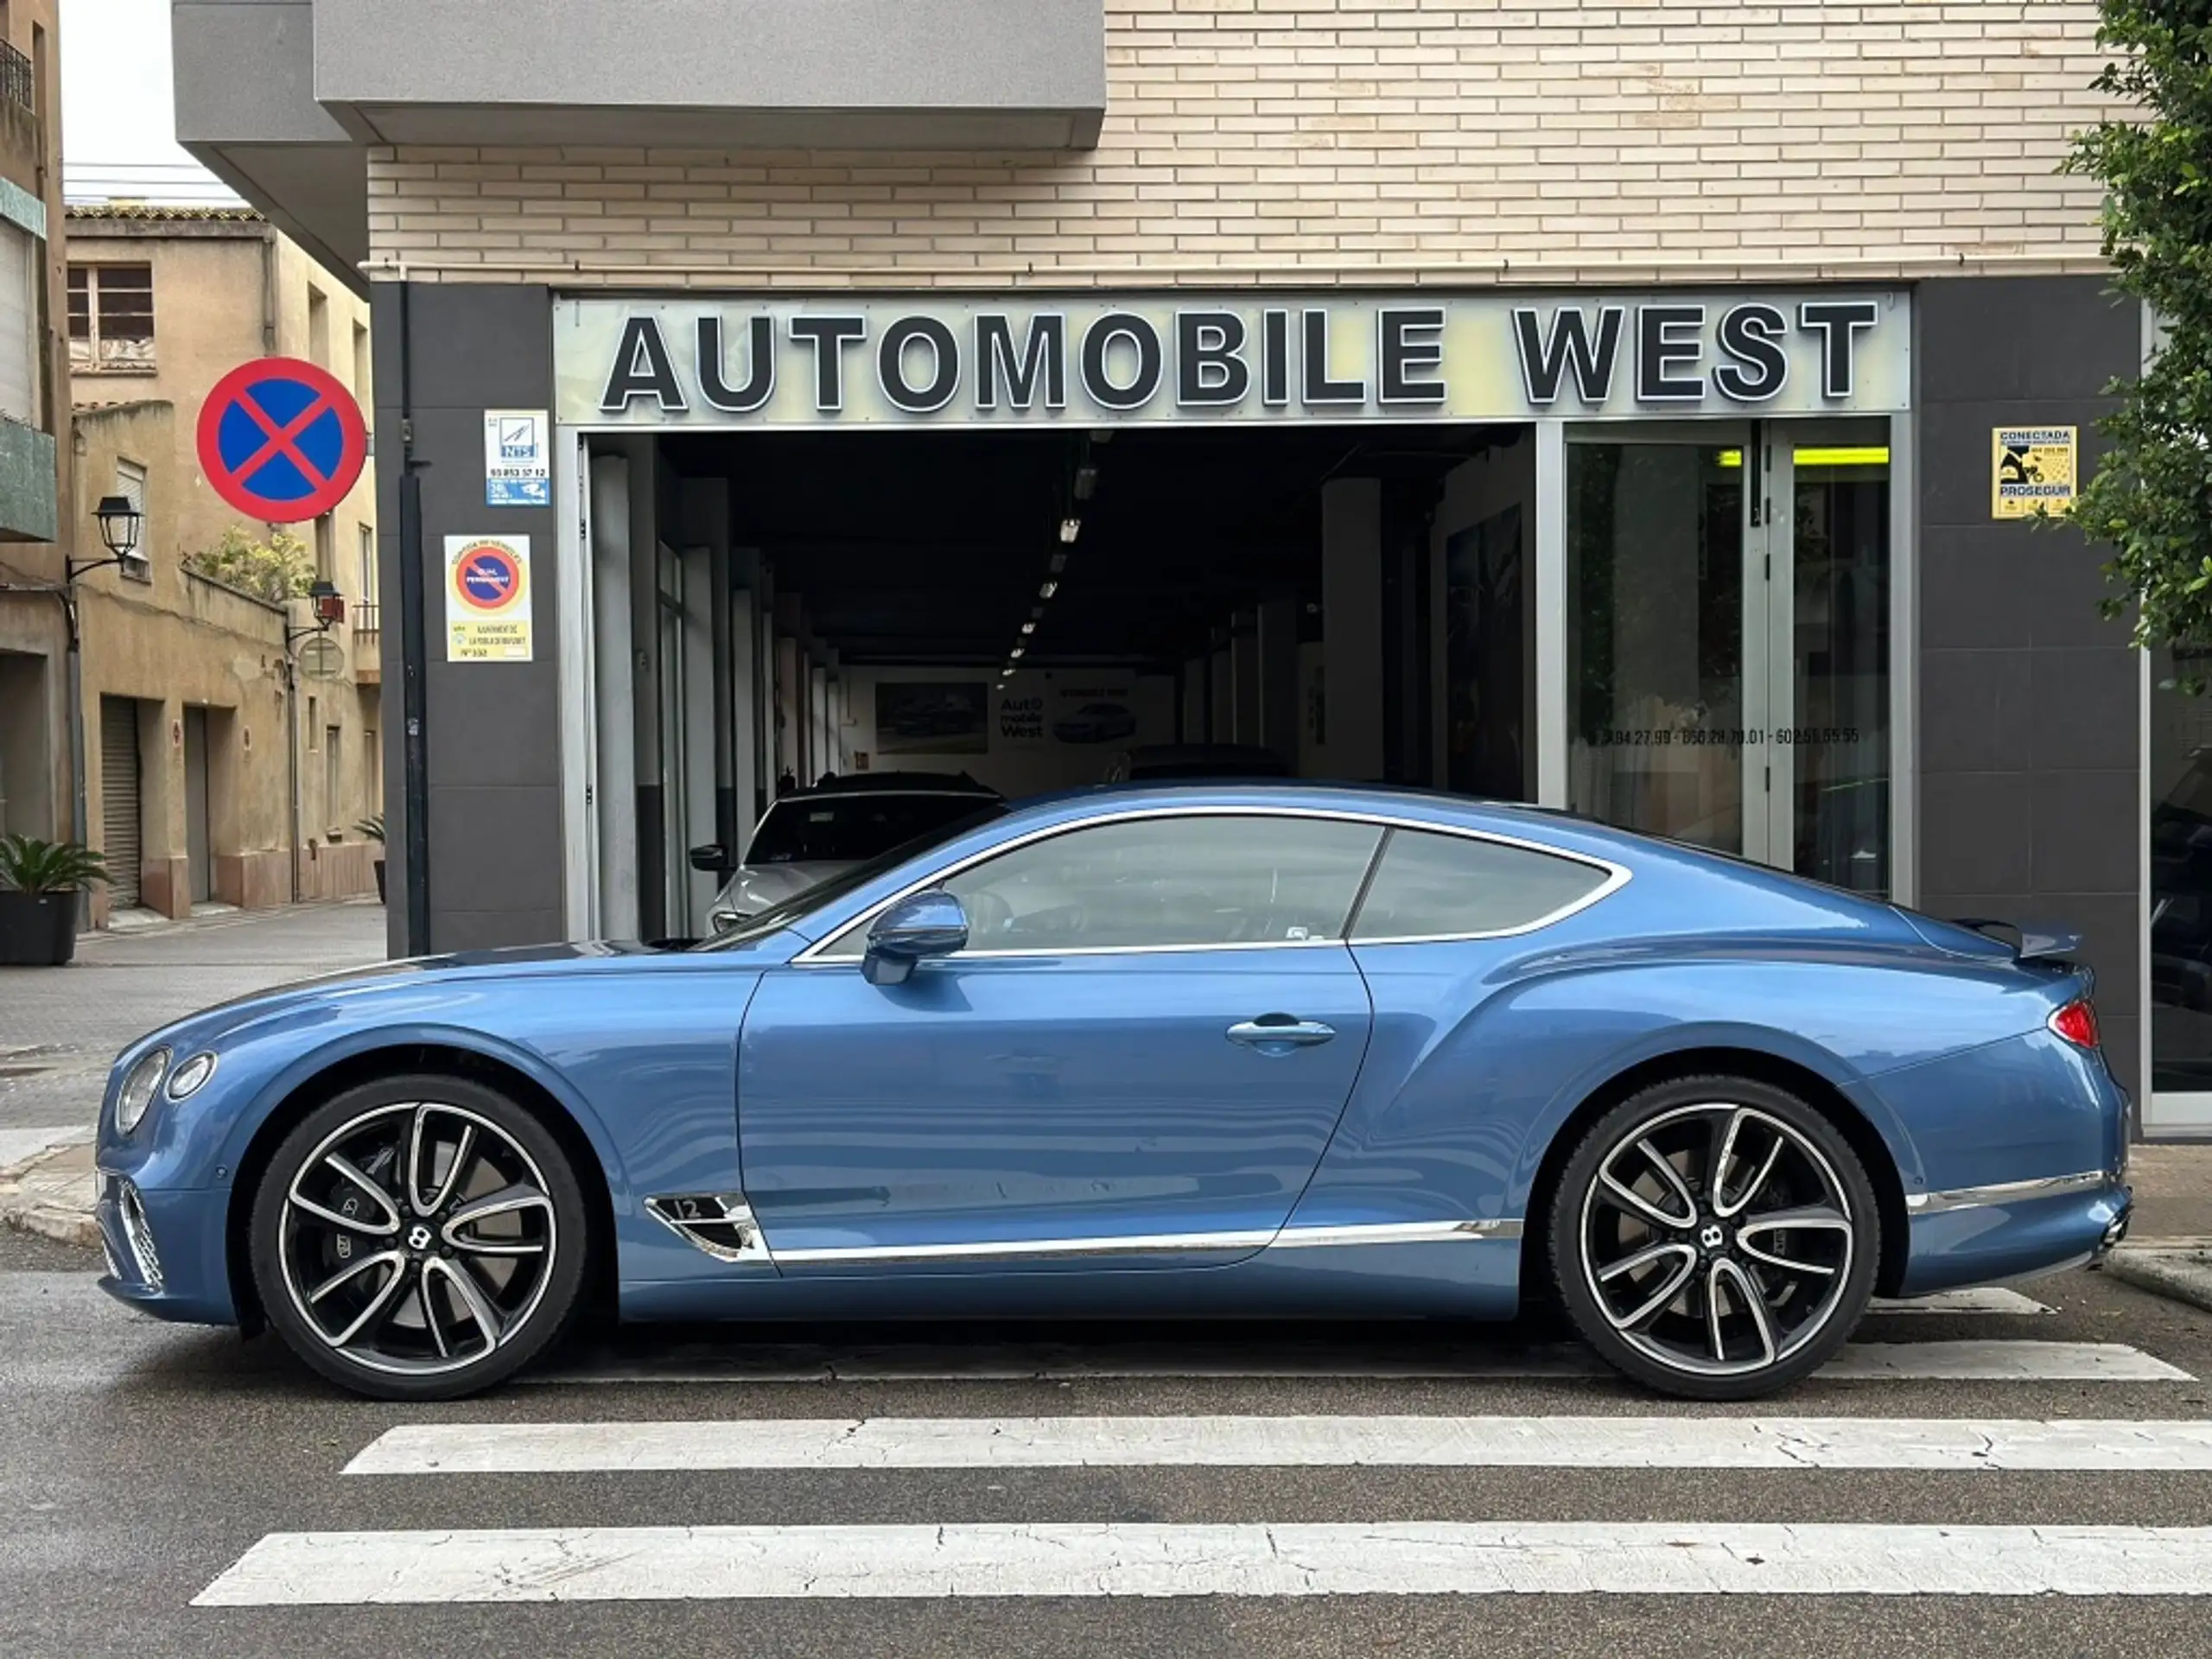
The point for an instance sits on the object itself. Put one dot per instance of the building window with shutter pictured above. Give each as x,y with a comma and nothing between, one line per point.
130,485
112,319
20,265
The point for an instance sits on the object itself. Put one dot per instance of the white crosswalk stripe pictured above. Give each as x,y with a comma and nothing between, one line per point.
1286,1442
1151,1558
1081,1555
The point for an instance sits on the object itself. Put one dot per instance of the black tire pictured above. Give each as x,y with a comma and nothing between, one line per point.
497,1261
1812,1272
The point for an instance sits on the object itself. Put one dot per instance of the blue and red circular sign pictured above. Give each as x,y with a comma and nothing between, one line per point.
487,577
282,441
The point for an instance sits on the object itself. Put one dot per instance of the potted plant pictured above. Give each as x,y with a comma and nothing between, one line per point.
371,829
39,884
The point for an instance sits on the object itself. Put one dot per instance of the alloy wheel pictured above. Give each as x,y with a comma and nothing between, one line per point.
1716,1239
417,1238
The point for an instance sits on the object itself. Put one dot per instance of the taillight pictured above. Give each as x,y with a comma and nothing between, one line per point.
2077,1023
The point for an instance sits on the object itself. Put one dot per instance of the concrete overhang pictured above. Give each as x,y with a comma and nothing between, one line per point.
280,97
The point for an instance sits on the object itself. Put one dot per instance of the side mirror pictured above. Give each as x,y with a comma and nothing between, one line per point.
709,860
921,925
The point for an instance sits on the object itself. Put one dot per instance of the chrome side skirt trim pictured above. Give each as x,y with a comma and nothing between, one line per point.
1975,1198
1015,1249
1412,1232
1395,1232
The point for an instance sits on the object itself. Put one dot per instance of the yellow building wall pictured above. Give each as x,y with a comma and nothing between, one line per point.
227,291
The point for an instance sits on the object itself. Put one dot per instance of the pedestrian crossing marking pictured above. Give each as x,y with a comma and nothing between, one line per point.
1863,1443
1981,1361
575,1564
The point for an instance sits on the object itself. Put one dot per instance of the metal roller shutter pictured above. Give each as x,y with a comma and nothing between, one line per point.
119,797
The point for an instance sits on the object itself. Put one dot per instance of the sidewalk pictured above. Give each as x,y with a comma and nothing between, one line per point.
60,1029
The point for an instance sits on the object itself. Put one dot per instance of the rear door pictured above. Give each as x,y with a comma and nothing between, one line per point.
1138,1059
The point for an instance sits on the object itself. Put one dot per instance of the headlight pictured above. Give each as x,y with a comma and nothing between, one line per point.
137,1091
185,1080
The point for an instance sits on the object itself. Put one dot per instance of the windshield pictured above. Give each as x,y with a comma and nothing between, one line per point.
841,829
778,917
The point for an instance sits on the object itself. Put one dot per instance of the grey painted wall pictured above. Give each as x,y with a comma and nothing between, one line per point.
2029,738
492,728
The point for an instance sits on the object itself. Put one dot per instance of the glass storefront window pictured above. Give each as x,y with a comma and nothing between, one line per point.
1841,654
1728,662
1655,665
2181,880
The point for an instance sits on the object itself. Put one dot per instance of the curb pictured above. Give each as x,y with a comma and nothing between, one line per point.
2181,1274
63,1226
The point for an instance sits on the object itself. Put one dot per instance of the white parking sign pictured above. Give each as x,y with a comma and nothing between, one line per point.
518,471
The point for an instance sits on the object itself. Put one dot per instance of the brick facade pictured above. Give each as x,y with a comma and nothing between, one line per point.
1370,140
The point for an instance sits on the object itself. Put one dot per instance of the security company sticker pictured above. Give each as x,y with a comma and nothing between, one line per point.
2033,470
487,599
518,469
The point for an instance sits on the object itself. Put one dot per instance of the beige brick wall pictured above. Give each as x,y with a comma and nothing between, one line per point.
1370,141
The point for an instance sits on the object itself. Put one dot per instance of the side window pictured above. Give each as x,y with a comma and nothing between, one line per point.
1163,882
1435,887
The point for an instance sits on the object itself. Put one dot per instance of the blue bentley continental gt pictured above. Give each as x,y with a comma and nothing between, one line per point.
1250,1049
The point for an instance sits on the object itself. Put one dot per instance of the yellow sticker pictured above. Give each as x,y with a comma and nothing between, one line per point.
2033,470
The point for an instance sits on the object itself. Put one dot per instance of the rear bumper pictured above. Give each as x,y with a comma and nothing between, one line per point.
2014,1230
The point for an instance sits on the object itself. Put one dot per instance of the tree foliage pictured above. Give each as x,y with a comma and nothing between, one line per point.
2151,501
277,569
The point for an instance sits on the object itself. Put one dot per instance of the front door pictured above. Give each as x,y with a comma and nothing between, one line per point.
1140,1057
1728,639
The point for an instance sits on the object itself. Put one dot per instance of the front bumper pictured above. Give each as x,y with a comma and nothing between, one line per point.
166,1251
2015,1230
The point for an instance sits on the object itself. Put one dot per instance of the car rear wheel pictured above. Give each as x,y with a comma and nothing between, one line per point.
419,1238
1715,1238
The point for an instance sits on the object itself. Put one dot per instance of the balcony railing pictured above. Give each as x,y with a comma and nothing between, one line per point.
17,85
365,619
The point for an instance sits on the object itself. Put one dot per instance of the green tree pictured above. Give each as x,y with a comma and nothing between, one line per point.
2150,501
277,569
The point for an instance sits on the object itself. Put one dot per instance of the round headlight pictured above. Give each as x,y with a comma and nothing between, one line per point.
137,1091
185,1080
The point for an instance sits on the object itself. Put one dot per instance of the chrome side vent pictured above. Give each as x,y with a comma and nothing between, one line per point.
720,1223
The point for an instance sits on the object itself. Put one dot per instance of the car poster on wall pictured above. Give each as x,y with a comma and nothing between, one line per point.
932,717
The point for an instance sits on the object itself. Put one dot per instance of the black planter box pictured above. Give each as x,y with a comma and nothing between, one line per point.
37,930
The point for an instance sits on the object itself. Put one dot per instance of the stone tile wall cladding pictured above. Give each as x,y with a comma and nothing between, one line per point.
1383,141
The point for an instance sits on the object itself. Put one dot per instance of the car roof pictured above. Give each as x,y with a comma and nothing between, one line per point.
893,783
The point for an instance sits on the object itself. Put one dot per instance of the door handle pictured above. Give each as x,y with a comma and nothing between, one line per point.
1279,1033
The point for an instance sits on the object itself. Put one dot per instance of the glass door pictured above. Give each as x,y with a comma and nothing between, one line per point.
1727,640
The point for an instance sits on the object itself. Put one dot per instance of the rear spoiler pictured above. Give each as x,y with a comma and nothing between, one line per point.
2029,944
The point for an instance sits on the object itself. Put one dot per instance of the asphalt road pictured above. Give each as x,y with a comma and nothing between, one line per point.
139,1463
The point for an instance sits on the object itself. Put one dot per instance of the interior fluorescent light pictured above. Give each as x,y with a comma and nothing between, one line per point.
1017,651
1872,455
1086,481
1029,627
1048,590
1069,529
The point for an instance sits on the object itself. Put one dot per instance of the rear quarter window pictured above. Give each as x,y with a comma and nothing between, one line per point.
1438,886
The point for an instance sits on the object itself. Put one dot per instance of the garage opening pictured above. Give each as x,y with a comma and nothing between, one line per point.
1038,610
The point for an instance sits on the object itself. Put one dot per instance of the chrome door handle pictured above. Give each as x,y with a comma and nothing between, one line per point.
1279,1033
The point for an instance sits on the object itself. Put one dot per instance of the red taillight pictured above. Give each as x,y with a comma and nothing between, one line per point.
2077,1023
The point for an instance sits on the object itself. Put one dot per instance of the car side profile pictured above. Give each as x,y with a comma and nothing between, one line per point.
1239,1049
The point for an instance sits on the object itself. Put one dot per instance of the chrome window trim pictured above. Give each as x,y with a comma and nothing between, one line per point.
1974,1197
1286,1238
1617,877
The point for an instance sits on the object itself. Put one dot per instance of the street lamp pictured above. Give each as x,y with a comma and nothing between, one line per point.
122,522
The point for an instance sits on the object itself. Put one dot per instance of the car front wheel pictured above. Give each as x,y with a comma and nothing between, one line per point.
418,1238
1714,1239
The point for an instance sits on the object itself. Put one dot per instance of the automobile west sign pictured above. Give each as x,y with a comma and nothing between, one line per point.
1201,359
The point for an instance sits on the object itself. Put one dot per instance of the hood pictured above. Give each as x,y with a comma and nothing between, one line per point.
755,888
